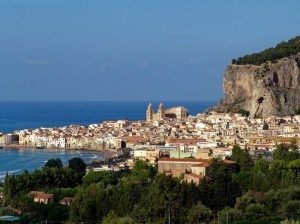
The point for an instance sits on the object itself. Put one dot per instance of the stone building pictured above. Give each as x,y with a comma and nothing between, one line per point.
177,112
152,116
174,112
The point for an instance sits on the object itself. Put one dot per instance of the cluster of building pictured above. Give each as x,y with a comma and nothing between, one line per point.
42,197
171,133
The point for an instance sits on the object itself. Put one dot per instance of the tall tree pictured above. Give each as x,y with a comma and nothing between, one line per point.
140,171
54,163
199,214
221,188
276,172
77,165
294,144
282,152
97,176
242,157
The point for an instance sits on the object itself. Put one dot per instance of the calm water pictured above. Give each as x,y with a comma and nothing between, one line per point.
15,161
20,115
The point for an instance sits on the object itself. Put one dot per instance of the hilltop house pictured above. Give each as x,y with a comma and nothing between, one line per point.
42,197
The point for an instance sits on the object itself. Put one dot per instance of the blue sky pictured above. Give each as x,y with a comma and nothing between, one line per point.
132,49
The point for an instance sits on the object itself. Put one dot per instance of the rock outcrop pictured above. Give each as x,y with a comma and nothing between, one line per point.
266,89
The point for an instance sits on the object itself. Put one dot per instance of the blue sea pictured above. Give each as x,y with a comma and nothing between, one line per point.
18,115
16,161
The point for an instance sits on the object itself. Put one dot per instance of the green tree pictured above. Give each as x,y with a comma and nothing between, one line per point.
260,173
261,167
282,153
295,166
198,214
77,165
283,49
242,157
229,215
140,171
292,207
84,207
244,201
220,189
54,163
152,205
270,201
126,220
287,221
97,176
58,213
244,112
23,202
256,209
111,218
243,179
276,172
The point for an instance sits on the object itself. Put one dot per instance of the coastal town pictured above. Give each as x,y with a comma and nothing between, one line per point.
150,112
168,136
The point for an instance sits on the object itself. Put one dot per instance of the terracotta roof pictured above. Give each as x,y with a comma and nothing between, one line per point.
202,162
229,161
194,175
66,200
175,140
183,160
205,164
44,196
135,138
40,194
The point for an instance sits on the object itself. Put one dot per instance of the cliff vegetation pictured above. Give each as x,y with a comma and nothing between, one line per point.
283,49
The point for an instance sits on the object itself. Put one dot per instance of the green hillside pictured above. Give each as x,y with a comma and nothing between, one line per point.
284,49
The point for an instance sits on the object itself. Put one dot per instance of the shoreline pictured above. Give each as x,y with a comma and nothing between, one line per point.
107,154
12,146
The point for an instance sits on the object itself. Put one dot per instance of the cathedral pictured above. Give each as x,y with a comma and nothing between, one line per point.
174,112
151,116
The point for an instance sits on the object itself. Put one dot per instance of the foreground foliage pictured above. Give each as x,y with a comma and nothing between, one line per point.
258,192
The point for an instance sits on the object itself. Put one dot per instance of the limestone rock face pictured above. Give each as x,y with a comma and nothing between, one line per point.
266,89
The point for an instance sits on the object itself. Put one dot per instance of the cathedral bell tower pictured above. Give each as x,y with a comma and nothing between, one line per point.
149,113
161,112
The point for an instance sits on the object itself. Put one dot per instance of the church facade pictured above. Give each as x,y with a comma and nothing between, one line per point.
174,112
152,116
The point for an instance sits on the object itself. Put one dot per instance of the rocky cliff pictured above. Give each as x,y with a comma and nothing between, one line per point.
266,89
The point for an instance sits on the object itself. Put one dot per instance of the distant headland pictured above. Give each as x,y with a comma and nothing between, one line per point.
265,83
